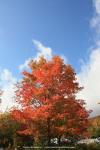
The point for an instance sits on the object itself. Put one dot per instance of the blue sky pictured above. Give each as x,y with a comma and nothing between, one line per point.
61,24
69,28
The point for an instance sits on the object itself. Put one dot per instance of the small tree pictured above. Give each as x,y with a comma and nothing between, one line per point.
48,104
94,126
8,128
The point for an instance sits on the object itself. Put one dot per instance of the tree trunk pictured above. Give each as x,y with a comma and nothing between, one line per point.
48,131
59,140
14,141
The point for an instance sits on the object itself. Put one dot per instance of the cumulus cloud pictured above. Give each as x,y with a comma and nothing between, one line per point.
45,51
95,21
41,50
7,84
89,75
89,78
25,64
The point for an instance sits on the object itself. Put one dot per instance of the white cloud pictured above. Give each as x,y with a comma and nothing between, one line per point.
41,50
89,76
7,82
95,21
25,64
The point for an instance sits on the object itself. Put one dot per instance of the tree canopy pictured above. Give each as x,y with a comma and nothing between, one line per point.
48,106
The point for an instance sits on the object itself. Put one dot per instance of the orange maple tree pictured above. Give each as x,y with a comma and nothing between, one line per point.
48,104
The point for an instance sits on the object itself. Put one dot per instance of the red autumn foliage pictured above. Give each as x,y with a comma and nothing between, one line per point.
48,103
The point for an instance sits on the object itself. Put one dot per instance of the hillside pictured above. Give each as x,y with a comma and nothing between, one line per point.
95,121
